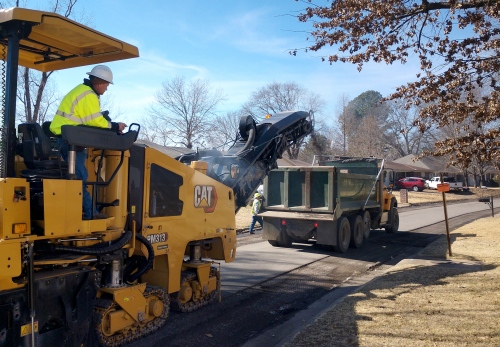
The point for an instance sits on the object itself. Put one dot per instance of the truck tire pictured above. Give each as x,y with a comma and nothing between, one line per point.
393,224
357,231
367,224
343,235
328,248
284,241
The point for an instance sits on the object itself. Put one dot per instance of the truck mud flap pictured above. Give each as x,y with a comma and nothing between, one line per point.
326,233
271,229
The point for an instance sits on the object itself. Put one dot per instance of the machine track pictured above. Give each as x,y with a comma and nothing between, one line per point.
176,303
135,331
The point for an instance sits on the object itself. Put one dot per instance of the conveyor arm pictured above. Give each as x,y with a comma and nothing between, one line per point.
249,160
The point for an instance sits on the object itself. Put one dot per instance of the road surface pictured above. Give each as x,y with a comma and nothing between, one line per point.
269,293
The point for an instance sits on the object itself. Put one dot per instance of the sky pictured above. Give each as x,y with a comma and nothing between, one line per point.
238,46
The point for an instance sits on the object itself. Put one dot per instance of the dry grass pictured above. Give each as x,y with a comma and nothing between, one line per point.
429,196
243,218
451,301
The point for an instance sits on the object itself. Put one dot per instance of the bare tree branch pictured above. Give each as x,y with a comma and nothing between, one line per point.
455,62
186,110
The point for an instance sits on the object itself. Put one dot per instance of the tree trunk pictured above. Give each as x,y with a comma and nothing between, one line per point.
27,96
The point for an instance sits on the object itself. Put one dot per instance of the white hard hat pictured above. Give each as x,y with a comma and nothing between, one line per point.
260,190
103,72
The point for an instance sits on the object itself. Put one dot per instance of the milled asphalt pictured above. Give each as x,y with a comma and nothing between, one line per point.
285,332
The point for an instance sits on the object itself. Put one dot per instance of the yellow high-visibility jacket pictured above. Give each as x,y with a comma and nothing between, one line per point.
80,106
257,203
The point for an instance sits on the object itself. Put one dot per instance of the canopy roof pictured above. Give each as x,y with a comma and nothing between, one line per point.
52,42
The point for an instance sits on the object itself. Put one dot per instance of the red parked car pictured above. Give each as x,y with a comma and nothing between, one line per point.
416,184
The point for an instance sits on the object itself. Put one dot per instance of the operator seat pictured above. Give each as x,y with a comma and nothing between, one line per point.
40,162
36,149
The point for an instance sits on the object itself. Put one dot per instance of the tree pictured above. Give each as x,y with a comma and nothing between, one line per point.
478,170
225,130
403,134
457,45
150,131
183,112
369,139
364,126
277,97
368,103
343,126
273,98
479,164
36,96
317,144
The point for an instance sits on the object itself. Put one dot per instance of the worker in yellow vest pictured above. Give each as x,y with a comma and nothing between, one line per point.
81,106
257,203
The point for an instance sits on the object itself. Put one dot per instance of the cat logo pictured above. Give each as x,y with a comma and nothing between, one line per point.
205,197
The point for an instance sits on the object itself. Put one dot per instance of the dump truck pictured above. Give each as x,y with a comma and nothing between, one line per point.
335,204
68,281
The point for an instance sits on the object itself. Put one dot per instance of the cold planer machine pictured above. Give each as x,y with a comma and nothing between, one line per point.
109,282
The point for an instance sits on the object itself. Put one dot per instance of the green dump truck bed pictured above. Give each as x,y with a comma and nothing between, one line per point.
348,185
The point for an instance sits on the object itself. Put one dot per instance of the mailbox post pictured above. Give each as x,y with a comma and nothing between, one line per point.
443,188
403,196
489,201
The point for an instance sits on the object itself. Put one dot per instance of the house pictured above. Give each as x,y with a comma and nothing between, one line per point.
395,171
432,166
429,167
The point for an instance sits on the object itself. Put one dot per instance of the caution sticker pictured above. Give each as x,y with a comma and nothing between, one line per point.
26,329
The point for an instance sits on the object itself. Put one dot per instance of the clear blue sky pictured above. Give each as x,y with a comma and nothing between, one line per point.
237,45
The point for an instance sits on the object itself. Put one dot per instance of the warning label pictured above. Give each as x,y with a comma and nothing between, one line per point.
26,329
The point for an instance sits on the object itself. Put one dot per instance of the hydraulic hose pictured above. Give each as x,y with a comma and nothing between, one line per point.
246,123
149,264
250,141
98,249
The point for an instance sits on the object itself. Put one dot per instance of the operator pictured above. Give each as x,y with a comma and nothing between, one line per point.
81,106
257,203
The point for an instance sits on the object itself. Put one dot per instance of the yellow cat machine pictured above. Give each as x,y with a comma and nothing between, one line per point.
65,281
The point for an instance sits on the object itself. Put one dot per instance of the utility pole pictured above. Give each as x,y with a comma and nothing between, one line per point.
344,128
